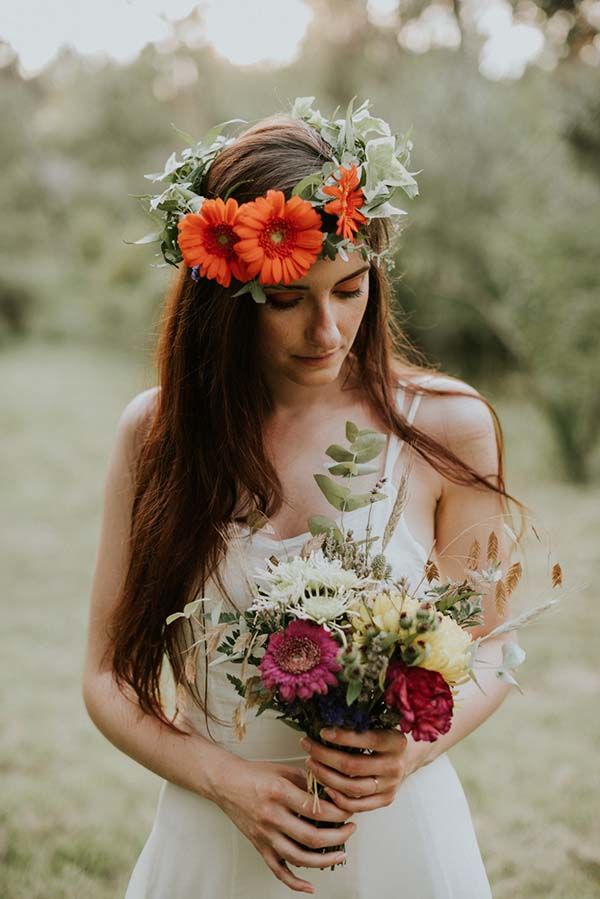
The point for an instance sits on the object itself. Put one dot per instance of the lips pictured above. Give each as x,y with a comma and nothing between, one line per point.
324,356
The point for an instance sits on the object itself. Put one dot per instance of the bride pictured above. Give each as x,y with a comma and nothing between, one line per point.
248,396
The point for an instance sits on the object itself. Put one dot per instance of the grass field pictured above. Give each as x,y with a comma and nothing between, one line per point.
74,811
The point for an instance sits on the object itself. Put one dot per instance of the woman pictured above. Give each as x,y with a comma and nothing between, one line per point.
249,396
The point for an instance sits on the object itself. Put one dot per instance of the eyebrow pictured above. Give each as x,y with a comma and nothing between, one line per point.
359,271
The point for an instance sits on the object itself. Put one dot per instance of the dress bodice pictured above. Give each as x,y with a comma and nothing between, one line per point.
267,737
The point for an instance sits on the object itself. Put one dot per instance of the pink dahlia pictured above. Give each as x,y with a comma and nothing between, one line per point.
300,661
422,697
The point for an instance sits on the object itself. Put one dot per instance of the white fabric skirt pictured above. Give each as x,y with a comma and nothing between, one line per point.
422,846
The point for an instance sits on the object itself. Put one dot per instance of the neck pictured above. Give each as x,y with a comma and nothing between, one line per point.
293,398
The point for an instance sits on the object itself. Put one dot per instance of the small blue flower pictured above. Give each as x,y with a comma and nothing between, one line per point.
194,272
334,712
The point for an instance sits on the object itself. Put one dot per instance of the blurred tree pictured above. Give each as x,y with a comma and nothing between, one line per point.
498,263
503,246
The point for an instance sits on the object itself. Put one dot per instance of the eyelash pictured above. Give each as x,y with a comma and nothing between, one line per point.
346,293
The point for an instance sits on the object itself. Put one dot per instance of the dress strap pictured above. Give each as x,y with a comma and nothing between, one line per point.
396,444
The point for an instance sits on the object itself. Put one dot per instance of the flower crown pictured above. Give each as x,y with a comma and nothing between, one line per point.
271,240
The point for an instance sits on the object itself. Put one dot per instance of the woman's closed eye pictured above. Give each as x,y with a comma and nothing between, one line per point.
289,304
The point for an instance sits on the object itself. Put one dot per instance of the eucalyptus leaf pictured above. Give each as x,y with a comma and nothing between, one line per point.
351,431
363,468
331,489
320,524
339,453
358,500
345,469
368,446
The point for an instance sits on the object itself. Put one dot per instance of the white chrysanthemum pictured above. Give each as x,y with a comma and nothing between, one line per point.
290,581
322,608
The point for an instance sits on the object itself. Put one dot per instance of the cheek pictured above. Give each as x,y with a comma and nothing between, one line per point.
353,316
273,332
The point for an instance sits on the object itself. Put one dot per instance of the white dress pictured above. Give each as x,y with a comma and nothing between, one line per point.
422,846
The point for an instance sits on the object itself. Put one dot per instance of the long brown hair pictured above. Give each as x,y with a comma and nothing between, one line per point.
203,442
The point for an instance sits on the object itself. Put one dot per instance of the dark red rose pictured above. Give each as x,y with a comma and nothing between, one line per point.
422,697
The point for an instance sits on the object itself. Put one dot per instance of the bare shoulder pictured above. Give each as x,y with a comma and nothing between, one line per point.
460,421
135,419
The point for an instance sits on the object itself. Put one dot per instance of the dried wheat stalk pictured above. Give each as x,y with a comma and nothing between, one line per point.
557,575
492,548
398,508
474,553
513,576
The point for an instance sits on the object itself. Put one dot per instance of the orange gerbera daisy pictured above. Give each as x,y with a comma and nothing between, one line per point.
280,239
207,239
348,198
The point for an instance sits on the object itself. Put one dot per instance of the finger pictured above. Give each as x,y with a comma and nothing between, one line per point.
286,849
302,801
352,764
380,740
313,837
354,787
281,871
366,804
344,736
297,777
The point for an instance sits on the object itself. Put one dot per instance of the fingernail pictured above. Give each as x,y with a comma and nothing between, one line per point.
304,743
328,733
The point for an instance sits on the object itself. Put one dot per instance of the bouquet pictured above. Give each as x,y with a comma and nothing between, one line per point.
332,638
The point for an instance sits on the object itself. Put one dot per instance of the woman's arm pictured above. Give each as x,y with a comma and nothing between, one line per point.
465,513
266,801
192,761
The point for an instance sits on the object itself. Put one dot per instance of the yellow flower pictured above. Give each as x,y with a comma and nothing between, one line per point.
383,610
448,650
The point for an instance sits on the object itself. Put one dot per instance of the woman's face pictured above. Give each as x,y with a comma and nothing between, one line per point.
306,328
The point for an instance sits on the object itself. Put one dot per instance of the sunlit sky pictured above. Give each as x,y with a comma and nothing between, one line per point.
269,31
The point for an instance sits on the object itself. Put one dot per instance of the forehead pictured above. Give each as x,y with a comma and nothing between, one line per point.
326,272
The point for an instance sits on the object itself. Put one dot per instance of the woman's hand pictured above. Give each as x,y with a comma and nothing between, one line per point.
261,798
350,777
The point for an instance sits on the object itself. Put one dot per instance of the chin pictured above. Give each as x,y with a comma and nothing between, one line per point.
323,376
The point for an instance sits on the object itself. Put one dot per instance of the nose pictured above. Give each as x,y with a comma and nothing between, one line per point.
322,330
